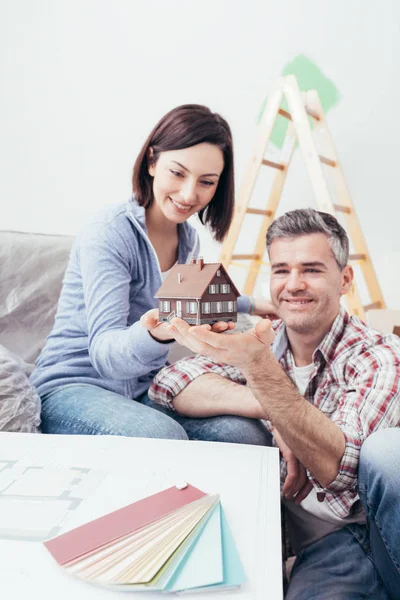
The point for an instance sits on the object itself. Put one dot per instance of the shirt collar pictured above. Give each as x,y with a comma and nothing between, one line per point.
327,347
136,212
330,342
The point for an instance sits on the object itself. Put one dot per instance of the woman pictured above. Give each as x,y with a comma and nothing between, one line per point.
101,355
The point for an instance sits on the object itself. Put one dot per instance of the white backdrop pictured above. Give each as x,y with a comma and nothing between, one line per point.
83,81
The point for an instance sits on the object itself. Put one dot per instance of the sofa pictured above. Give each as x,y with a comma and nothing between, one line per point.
31,272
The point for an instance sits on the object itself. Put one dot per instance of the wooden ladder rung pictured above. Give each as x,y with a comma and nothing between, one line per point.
357,257
341,208
309,111
328,161
246,257
270,163
285,113
377,304
259,211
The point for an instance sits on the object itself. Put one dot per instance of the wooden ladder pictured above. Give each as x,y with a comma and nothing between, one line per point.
302,105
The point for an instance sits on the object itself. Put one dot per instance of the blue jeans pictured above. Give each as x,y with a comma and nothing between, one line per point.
360,561
88,409
337,567
379,490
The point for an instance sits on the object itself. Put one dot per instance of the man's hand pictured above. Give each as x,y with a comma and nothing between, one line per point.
161,331
297,485
237,349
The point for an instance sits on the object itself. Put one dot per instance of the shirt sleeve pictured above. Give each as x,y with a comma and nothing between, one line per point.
117,350
171,380
372,402
243,303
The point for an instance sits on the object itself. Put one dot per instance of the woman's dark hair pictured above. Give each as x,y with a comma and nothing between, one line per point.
182,127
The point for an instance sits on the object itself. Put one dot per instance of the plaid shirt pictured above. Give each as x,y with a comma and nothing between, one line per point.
355,383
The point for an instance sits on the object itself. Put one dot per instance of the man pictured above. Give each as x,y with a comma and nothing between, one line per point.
324,386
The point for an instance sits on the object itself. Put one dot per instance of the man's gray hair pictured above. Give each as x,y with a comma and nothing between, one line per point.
305,221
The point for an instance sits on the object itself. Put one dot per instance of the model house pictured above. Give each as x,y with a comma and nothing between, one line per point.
199,293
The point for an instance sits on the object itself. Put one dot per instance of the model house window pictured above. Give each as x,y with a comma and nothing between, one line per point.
228,307
191,308
219,273
205,308
216,307
213,289
225,288
165,306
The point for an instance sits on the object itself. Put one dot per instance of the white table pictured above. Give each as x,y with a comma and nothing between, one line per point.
115,471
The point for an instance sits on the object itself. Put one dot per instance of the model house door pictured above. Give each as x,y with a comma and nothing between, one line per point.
178,308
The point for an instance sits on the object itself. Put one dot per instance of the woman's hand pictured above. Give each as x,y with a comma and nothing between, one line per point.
159,331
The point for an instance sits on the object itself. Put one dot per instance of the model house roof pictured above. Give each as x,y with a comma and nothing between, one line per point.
192,280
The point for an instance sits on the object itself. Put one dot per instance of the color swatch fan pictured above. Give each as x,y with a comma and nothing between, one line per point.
172,541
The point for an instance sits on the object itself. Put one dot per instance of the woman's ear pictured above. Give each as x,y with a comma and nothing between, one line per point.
150,161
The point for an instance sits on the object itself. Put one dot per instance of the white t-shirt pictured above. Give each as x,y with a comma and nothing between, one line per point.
312,519
164,274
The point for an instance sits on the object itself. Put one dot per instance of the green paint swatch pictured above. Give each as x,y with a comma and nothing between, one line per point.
309,77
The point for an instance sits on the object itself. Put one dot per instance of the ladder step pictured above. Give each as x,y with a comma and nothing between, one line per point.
258,211
341,208
357,257
377,304
246,257
285,113
311,113
275,165
328,161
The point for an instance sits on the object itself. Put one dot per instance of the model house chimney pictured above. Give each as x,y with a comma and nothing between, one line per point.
192,261
179,277
200,262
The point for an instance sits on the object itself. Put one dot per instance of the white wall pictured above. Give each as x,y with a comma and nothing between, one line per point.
83,81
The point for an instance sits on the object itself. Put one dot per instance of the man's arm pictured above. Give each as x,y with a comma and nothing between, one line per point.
196,387
316,441
211,395
297,486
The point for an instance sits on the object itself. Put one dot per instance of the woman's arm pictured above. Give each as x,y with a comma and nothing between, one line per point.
116,349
